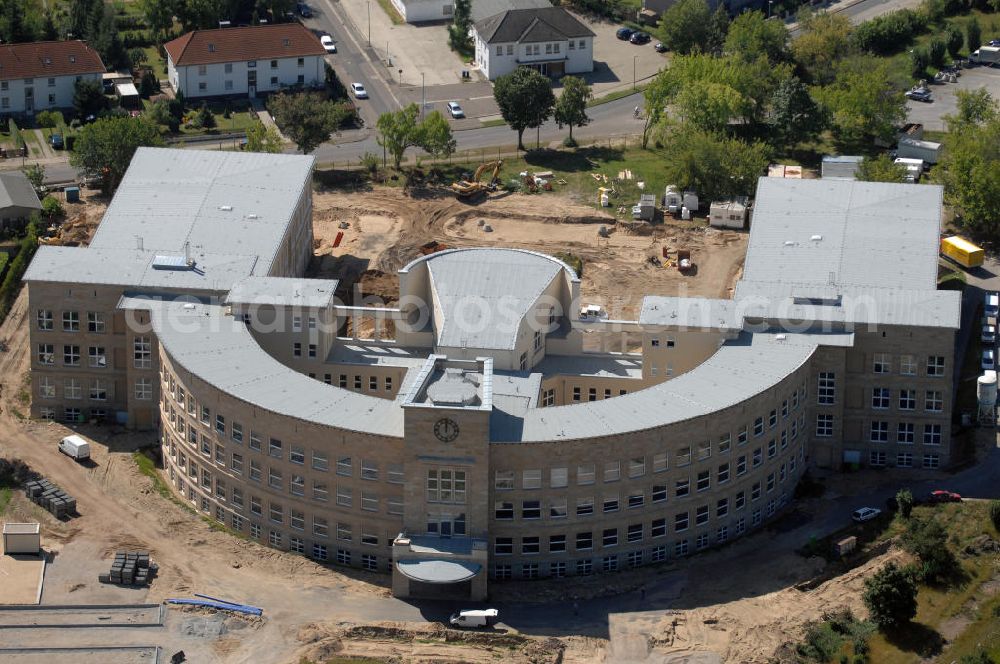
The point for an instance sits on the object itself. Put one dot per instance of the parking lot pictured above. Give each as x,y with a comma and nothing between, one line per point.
931,115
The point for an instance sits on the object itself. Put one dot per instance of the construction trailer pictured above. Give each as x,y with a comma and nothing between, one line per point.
962,251
914,168
729,214
22,538
645,209
840,167
674,200
911,148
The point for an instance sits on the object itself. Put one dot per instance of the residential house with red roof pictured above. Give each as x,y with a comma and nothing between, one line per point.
40,76
244,61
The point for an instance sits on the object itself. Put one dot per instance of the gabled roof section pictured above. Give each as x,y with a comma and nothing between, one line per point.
47,59
532,25
16,191
256,42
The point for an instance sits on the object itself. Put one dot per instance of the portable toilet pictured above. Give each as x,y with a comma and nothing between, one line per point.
672,199
690,201
72,194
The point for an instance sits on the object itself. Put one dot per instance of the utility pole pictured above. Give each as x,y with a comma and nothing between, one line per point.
369,22
635,58
423,96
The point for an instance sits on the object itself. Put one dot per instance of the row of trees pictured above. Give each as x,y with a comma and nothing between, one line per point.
92,20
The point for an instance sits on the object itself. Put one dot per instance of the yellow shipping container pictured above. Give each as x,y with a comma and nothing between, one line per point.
961,251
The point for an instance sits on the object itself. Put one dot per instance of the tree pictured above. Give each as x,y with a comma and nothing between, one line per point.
973,35
750,36
794,116
159,16
928,541
49,31
904,499
571,107
36,176
261,138
205,118
461,23
402,129
15,29
308,118
148,84
713,165
718,27
51,207
919,61
825,39
995,514
525,99
891,597
936,51
955,41
862,101
88,98
688,26
105,148
969,167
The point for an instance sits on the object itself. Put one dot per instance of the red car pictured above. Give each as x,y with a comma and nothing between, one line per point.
941,496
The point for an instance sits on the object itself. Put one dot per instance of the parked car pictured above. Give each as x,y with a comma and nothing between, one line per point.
359,91
660,47
455,110
989,335
327,42
624,33
865,514
920,94
989,360
941,496
639,38
303,10
994,42
57,141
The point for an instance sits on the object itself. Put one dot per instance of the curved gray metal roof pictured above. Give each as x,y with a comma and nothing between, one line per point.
438,571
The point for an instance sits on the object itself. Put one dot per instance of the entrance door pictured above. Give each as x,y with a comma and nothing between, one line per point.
252,83
29,100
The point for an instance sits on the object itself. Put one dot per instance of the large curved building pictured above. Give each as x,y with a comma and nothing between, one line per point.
486,427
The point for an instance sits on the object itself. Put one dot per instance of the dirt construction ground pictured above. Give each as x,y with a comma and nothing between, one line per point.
736,604
386,230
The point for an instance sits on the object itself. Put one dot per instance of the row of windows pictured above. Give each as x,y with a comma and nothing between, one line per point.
882,364
228,84
45,320
97,390
826,387
612,471
905,433
535,49
51,81
5,101
228,67
907,399
904,460
97,356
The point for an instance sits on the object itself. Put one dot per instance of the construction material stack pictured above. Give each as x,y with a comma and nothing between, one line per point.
130,568
51,498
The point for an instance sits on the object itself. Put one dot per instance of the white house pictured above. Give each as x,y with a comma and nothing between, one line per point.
422,11
244,61
42,75
549,39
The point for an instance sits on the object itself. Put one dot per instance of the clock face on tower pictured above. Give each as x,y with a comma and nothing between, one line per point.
446,430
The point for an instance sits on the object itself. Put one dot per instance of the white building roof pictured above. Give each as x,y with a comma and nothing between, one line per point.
872,234
689,312
284,291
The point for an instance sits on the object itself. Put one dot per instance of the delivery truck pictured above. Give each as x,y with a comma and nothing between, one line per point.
75,447
961,251
473,618
986,55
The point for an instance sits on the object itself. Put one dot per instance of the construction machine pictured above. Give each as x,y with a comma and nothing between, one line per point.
466,188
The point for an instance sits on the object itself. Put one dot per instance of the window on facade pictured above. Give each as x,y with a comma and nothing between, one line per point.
826,389
932,434
584,541
704,480
585,474
880,398
504,480
935,365
558,477
95,322
904,460
904,433
71,356
97,357
142,354
445,485
71,321
879,432
144,389
531,479
558,508
934,401
824,425
503,510
907,399
531,509
881,363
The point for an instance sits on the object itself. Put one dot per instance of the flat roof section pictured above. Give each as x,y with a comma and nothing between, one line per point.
845,233
284,292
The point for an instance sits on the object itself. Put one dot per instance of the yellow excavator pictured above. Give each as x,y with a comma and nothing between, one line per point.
466,188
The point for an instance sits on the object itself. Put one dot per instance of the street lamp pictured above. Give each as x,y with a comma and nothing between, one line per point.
369,22
635,59
423,96
400,78
769,3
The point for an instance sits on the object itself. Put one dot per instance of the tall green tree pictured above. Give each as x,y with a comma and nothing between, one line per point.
712,164
928,540
105,148
36,176
688,27
525,99
955,41
882,169
794,115
969,167
973,35
15,30
824,40
571,107
262,138
159,16
750,36
308,118
461,23
862,102
88,98
891,597
403,129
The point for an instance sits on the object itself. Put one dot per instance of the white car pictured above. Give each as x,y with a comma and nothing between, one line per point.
359,91
327,42
455,110
989,335
865,514
989,362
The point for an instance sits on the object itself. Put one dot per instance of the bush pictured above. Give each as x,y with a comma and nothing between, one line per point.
937,52
14,473
928,540
995,514
51,207
955,41
918,62
572,260
890,32
904,500
822,643
891,597
49,119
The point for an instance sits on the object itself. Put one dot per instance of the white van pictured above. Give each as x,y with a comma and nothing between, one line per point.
473,618
991,304
75,447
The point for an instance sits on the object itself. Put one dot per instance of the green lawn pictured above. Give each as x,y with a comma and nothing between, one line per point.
391,12
900,62
154,60
5,495
935,606
240,117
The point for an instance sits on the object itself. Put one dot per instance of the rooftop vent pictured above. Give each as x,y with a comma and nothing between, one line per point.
779,337
816,238
188,305
171,263
253,215
790,243
226,208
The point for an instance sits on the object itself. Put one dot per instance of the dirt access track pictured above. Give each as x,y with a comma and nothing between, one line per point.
386,229
736,604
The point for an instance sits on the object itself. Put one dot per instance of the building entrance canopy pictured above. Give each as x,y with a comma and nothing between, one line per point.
438,571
